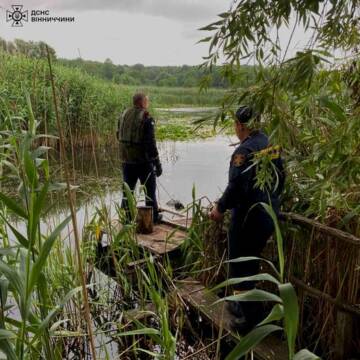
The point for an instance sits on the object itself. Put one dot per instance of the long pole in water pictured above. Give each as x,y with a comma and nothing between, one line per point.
73,213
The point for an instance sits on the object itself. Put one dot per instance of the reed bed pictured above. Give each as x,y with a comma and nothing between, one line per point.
89,106
330,265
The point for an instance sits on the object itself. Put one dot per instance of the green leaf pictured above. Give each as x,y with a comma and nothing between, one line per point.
130,200
13,277
250,258
224,14
4,285
32,122
279,239
6,334
45,323
334,108
44,253
305,354
37,208
207,39
20,238
144,331
11,166
291,314
258,277
7,348
276,314
30,169
13,206
249,341
8,251
212,26
253,295
148,352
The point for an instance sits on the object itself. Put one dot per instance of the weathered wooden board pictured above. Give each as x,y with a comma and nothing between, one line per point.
175,218
181,223
164,239
200,298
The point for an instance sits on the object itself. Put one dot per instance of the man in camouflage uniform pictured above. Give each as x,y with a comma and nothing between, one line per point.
138,150
251,226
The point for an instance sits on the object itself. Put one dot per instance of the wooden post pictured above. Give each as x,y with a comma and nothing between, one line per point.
344,335
144,219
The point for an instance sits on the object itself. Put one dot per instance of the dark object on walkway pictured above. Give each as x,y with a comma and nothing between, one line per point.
179,206
235,308
175,204
159,218
238,323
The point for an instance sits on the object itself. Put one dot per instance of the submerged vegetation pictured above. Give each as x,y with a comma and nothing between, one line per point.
178,124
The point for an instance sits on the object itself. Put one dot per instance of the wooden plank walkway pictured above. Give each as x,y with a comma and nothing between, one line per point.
201,299
182,224
176,219
164,239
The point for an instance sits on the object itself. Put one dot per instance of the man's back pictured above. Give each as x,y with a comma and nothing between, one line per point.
136,135
131,126
138,151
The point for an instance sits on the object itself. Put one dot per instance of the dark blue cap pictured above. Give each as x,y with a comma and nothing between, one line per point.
244,114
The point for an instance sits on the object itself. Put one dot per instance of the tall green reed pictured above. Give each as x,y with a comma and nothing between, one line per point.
23,269
71,200
90,106
148,282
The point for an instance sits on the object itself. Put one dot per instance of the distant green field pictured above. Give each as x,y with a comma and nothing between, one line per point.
176,96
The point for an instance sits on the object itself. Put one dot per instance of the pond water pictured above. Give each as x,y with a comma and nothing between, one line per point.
202,164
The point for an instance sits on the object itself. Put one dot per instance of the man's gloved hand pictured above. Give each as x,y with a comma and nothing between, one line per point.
158,168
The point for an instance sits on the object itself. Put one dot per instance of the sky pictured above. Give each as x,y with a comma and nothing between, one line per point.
151,32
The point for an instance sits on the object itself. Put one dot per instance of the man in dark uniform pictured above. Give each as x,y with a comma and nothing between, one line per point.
251,226
138,150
